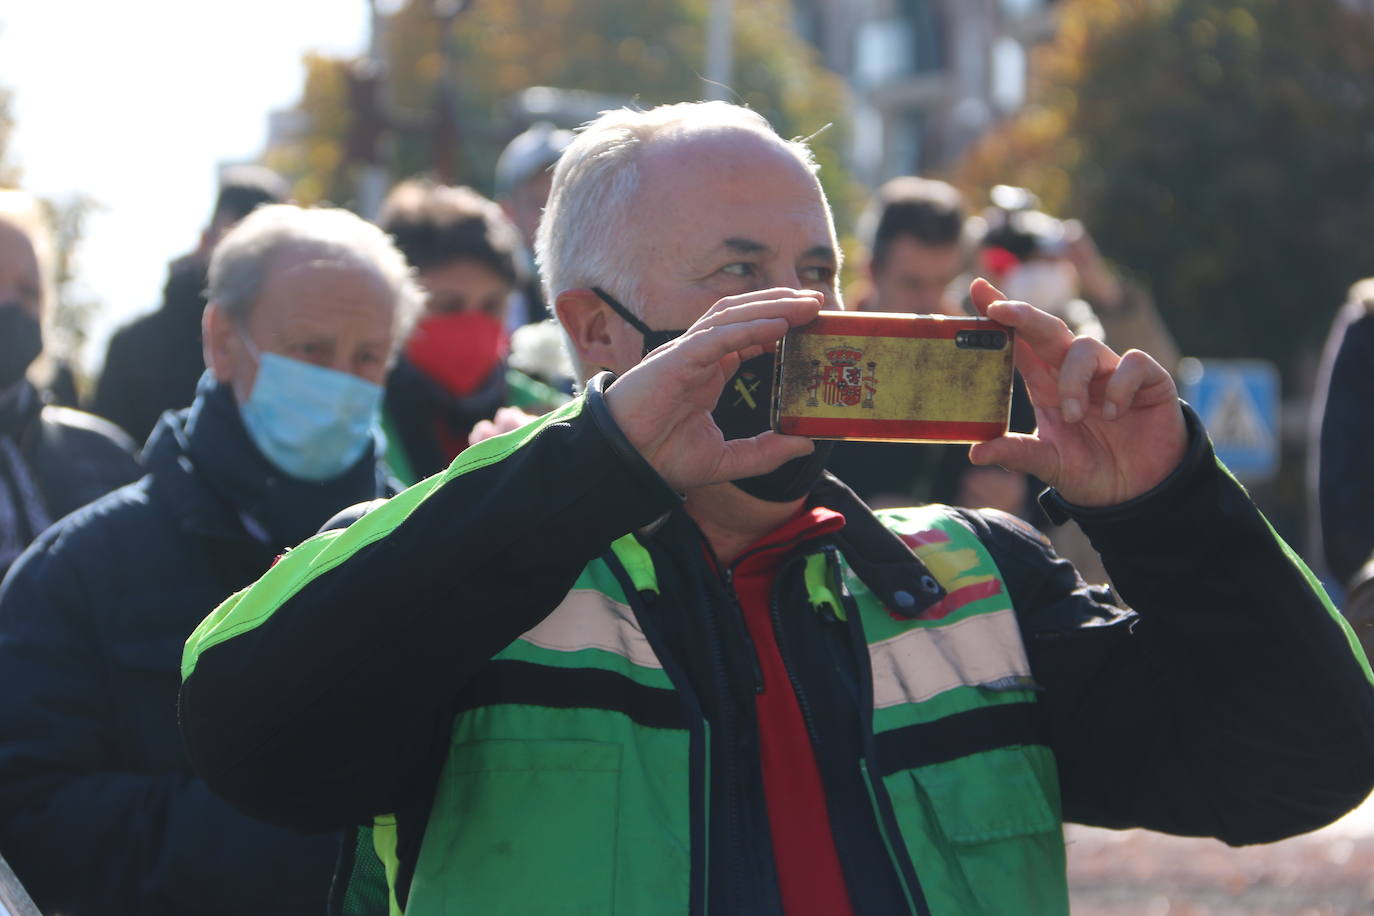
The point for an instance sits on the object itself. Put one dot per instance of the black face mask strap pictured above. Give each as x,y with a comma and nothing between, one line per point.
622,311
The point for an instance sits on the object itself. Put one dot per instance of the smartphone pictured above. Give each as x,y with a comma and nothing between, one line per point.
886,377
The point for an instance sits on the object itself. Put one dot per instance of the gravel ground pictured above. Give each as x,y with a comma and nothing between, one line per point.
1139,873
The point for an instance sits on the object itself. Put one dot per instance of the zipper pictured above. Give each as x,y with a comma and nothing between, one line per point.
775,615
728,726
880,817
737,614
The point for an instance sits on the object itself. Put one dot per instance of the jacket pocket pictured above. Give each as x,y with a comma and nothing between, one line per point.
984,831
522,827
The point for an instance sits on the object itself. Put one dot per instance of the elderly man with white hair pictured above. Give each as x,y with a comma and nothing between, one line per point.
100,812
643,656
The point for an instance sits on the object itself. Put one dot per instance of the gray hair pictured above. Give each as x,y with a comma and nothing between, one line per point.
578,243
242,258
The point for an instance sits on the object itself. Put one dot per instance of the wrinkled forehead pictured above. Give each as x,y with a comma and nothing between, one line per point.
712,184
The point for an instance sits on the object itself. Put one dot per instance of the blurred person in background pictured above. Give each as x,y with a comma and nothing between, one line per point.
452,373
53,460
1035,257
619,662
914,233
154,362
524,172
99,810
1341,455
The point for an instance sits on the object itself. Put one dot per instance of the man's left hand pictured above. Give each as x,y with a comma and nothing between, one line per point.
1109,426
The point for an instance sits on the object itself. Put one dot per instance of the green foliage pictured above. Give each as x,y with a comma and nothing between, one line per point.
649,53
1221,149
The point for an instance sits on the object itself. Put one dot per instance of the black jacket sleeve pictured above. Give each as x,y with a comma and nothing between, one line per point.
86,824
1231,703
318,715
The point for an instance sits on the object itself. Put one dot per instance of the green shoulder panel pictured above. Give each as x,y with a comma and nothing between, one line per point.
296,569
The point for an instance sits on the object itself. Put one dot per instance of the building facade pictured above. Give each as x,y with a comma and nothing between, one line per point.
928,76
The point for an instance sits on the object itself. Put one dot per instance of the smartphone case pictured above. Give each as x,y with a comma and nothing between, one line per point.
886,377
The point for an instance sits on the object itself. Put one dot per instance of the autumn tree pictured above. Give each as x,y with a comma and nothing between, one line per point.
1222,149
647,53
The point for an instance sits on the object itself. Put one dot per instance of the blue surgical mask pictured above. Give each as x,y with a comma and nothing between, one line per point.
312,423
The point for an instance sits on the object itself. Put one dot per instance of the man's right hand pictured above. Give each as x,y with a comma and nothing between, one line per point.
663,405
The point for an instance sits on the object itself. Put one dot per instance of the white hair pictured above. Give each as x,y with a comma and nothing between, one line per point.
579,243
242,258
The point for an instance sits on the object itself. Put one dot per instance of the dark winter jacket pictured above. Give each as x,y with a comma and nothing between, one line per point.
99,810
154,362
426,426
1234,705
1345,462
68,457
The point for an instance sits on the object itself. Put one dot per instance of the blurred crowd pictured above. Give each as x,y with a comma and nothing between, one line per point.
303,361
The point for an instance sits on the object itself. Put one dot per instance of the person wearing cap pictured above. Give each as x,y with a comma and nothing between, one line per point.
643,656
524,172
99,810
153,363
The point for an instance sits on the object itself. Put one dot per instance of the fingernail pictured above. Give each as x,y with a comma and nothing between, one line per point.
1071,409
1108,410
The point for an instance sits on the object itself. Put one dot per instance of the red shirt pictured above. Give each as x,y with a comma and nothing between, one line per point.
809,874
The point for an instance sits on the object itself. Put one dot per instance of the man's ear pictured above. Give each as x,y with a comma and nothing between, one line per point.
586,319
217,332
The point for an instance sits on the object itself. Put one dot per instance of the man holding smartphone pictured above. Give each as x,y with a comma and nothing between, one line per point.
642,656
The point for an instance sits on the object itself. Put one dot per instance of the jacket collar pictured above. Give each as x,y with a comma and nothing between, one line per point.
204,463
878,557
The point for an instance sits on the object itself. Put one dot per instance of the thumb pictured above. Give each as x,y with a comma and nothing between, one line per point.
1019,452
983,294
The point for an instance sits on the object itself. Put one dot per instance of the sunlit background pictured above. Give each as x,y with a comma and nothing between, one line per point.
136,105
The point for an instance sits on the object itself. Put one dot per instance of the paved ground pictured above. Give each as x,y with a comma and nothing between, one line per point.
1138,873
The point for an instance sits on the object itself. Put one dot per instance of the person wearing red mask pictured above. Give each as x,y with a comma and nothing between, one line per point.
452,373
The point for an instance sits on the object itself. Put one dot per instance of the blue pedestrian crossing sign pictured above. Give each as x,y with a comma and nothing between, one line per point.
1238,400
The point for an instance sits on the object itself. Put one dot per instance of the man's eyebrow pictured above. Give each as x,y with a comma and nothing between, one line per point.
820,253
744,246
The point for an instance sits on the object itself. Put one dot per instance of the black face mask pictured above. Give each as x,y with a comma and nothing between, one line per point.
21,340
744,410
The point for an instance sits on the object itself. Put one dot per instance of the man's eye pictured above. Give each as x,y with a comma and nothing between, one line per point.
822,275
738,269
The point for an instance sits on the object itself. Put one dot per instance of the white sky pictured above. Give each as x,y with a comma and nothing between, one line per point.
138,102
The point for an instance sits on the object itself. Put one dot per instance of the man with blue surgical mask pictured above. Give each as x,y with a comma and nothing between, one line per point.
99,809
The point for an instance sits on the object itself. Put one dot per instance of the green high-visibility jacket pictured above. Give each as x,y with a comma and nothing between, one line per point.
551,708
